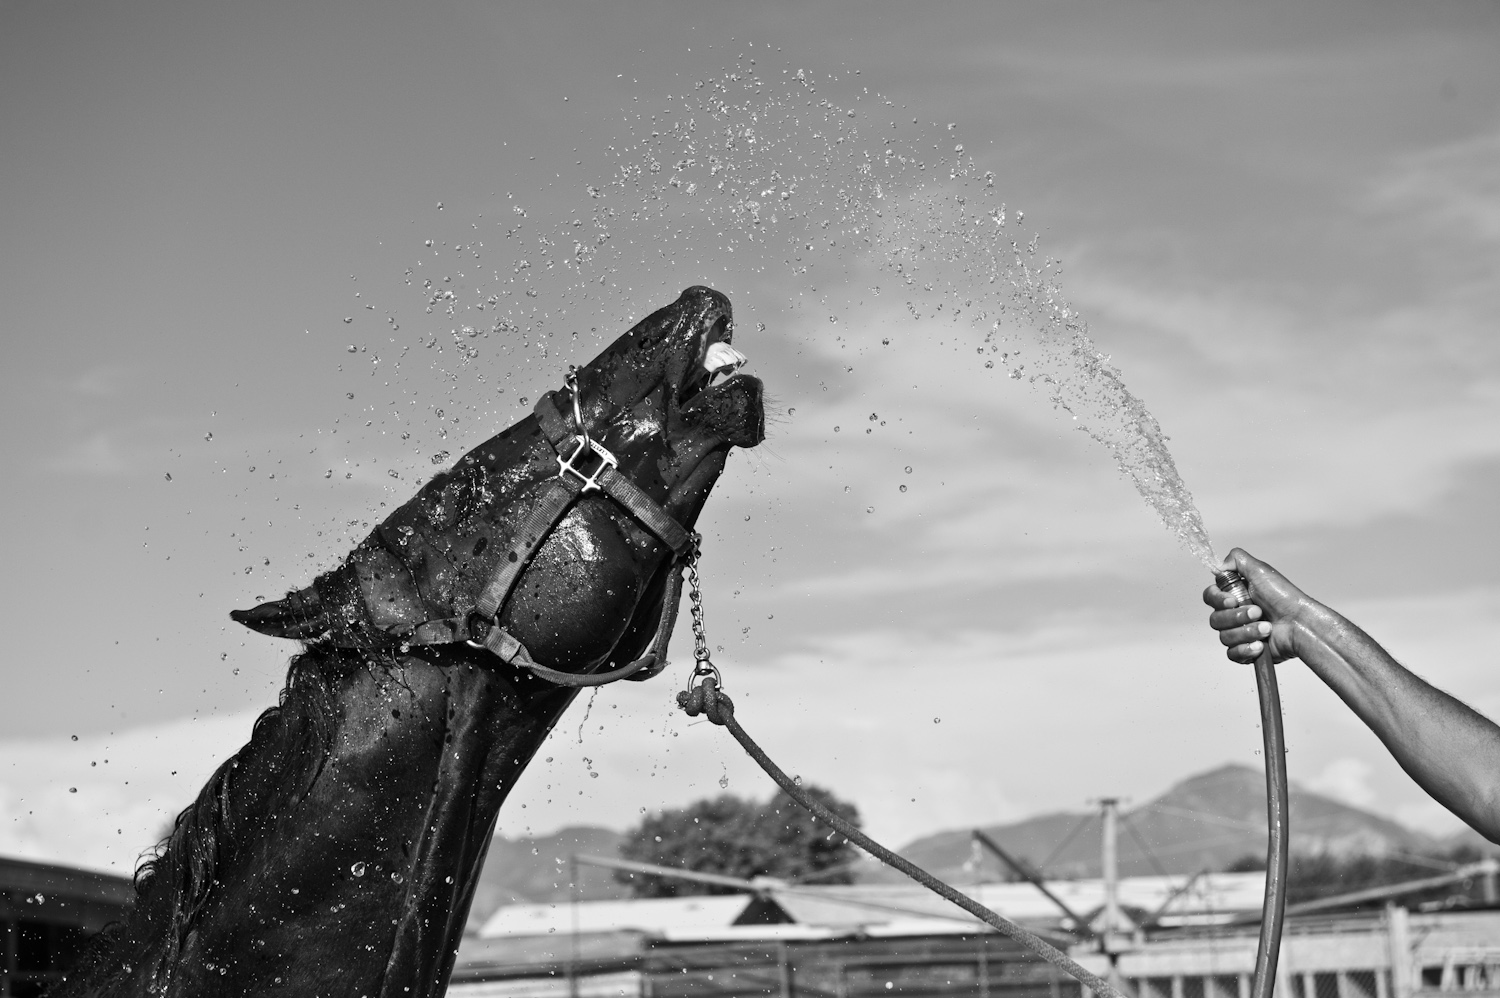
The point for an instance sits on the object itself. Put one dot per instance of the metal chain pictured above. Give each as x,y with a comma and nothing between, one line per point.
702,666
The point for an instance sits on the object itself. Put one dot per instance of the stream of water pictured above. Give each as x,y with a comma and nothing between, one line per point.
806,181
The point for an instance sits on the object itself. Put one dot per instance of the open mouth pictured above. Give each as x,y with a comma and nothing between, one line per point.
720,362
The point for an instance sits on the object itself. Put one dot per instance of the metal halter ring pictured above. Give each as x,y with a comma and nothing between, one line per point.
570,465
572,382
703,669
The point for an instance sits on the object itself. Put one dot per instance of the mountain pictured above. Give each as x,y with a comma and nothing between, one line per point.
537,869
1207,821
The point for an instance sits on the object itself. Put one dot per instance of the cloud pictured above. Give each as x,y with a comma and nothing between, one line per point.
104,381
100,454
101,800
1451,191
1346,780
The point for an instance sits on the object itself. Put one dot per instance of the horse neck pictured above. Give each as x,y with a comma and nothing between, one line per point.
338,850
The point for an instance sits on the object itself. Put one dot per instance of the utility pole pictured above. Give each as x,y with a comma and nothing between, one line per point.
1113,923
1114,930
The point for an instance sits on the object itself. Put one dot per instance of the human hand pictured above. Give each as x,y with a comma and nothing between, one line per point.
1269,621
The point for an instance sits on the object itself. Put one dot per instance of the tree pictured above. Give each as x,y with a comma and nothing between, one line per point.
736,837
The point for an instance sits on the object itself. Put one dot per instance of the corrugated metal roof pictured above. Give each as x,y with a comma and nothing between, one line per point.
906,909
657,915
1213,895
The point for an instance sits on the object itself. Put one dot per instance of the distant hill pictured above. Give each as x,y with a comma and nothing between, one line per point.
536,869
1207,821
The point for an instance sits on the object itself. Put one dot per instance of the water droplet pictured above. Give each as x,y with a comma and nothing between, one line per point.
358,869
440,457
348,318
835,429
791,412
428,242
72,790
396,877
349,395
593,775
833,318
869,509
903,488
352,348
524,400
75,738
937,720
797,781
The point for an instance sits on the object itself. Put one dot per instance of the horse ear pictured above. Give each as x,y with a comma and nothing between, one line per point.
299,616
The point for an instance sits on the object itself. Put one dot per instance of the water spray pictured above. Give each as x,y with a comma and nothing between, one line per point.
1273,908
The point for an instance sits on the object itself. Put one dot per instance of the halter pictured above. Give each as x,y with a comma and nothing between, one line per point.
583,465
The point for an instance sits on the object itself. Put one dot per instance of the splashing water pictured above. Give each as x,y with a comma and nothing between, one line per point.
788,183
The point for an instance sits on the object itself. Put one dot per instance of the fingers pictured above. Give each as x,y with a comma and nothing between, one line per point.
1242,561
1235,616
1246,634
1220,600
1246,653
1246,631
1241,629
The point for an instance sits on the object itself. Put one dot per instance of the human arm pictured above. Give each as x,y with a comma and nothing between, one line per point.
1451,750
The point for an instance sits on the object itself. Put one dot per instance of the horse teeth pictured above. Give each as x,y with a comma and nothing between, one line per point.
720,356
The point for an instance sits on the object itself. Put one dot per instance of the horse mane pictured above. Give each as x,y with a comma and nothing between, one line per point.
288,746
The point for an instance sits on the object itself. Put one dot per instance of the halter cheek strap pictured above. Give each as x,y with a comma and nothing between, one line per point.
583,466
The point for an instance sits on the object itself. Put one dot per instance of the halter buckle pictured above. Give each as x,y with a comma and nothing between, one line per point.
590,479
705,669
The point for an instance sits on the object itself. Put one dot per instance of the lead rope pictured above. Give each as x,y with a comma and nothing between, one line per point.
705,696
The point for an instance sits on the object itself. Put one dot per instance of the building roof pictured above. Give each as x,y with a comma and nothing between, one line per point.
874,909
1212,897
66,882
63,895
658,916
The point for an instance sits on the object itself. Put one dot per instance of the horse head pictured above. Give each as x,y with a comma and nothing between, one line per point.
338,851
582,511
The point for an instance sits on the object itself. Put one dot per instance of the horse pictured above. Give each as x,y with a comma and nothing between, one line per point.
336,854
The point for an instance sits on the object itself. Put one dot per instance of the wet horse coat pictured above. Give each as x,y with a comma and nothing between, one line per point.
336,854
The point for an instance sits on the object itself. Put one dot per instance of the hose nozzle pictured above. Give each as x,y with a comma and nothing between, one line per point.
1234,585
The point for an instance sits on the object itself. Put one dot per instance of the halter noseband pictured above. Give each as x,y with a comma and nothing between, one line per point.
576,475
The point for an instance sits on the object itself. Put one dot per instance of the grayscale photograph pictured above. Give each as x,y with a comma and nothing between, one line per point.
828,500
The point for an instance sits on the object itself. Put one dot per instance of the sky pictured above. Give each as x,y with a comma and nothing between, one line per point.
927,591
